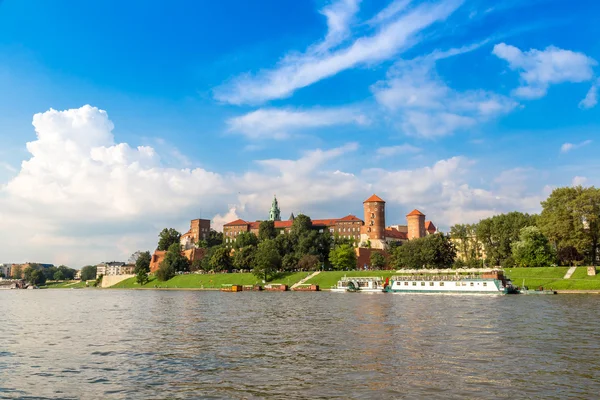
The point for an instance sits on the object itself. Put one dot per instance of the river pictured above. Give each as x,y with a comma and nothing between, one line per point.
119,344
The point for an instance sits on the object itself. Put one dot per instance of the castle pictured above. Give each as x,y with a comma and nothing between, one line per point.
371,232
368,234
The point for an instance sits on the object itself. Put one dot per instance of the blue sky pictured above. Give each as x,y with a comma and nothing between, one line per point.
206,109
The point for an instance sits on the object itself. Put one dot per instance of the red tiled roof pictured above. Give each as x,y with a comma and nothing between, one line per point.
236,222
430,227
350,218
283,224
324,222
374,198
396,234
254,225
415,212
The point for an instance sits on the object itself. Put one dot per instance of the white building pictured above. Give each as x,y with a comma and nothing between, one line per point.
109,268
5,270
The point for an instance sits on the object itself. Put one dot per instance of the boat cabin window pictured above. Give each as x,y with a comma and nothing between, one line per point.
484,283
471,283
414,283
457,283
441,283
422,283
430,283
405,283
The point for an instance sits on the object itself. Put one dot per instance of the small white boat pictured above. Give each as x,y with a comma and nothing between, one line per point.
363,284
490,283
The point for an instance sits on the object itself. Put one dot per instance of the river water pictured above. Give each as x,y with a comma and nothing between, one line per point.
119,344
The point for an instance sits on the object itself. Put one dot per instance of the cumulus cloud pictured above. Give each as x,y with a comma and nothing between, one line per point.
539,69
426,106
83,198
566,147
273,123
296,71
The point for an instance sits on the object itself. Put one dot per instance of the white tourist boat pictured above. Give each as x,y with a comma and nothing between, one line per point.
363,284
487,283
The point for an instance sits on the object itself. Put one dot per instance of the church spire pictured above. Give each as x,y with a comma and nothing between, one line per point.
274,214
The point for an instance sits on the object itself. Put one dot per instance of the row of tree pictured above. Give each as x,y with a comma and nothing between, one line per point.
37,274
566,232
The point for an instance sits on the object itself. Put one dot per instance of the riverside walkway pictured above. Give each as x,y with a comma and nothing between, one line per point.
301,281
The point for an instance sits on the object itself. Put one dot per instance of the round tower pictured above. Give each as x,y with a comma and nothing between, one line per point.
416,224
374,228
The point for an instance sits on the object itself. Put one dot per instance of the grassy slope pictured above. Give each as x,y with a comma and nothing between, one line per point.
534,277
64,285
327,279
211,280
553,278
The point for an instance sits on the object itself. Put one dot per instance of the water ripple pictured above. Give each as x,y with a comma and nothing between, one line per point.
154,345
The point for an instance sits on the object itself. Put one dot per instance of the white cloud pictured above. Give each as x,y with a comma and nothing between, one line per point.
340,15
579,181
591,98
273,123
83,198
566,147
390,151
296,71
426,106
541,68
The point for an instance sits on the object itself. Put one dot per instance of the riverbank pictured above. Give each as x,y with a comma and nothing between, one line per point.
210,281
552,278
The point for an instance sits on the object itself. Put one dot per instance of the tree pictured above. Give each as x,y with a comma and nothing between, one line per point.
377,260
133,258
533,249
569,255
59,276
343,257
587,209
571,218
17,272
34,274
88,273
37,277
498,233
243,258
289,262
302,225
214,239
142,267
407,256
68,273
173,262
168,237
245,239
309,262
266,230
220,259
431,251
266,260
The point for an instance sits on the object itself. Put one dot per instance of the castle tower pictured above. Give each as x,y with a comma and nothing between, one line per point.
374,228
416,224
274,214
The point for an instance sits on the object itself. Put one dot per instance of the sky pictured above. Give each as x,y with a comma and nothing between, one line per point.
118,119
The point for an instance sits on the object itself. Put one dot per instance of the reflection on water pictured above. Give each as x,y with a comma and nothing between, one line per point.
152,344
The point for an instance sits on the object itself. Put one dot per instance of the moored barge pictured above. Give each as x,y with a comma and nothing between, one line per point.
487,283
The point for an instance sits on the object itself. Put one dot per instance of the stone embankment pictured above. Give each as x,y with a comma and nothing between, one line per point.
110,280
